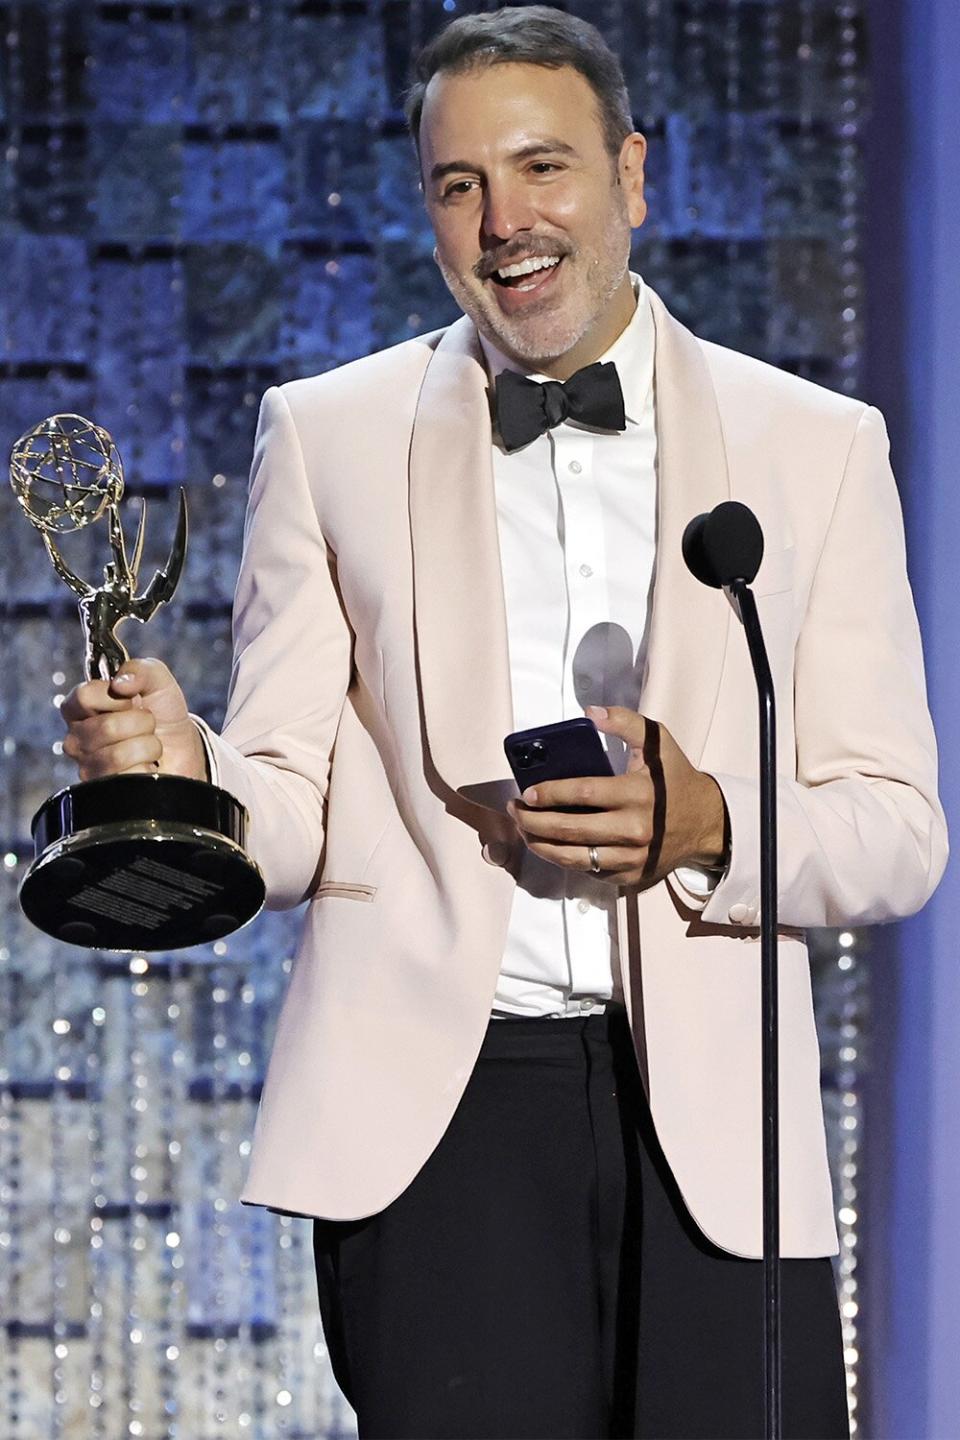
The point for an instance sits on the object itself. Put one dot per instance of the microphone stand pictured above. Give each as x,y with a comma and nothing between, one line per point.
745,605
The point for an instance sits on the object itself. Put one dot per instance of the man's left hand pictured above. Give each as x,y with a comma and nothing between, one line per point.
661,814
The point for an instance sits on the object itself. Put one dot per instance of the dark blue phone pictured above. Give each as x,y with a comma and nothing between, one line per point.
564,751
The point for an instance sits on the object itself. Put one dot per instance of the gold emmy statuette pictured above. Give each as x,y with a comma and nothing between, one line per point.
130,862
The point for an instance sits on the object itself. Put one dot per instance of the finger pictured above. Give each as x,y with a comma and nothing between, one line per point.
91,697
86,736
600,792
614,860
143,752
627,826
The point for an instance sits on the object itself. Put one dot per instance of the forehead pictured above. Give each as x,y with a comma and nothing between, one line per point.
501,107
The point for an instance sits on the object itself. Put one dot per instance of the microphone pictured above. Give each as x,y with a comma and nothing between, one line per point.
724,545
723,549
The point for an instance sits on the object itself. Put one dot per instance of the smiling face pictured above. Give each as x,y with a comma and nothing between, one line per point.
532,216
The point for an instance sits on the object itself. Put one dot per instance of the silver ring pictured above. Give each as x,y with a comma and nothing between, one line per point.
594,859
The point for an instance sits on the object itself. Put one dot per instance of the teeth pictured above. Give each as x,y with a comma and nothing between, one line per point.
527,267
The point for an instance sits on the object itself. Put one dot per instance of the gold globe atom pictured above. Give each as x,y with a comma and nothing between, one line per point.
65,472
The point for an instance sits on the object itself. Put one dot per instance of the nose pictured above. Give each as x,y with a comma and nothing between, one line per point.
506,210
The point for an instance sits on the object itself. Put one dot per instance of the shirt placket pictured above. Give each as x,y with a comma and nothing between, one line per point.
588,605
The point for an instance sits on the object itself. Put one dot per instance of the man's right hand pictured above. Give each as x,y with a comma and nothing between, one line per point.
137,721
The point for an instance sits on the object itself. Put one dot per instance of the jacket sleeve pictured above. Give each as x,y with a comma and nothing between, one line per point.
292,656
862,836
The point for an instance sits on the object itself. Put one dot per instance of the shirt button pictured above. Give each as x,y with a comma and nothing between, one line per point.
586,571
575,467
583,906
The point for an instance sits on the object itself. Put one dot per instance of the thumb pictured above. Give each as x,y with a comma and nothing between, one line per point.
628,725
139,677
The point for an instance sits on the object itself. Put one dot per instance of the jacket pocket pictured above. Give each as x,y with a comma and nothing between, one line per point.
346,890
776,572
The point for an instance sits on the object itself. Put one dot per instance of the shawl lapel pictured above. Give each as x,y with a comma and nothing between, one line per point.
689,623
459,611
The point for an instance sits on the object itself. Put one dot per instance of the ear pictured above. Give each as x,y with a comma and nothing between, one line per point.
633,153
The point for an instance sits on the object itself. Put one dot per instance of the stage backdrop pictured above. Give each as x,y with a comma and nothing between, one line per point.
198,200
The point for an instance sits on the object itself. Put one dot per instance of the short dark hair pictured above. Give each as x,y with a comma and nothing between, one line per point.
527,35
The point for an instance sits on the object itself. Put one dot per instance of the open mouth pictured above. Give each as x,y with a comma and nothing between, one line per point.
526,274
524,282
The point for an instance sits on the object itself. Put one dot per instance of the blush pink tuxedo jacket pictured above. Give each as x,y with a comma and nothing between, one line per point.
368,704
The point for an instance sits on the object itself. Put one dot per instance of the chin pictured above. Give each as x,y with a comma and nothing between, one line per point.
532,343
530,340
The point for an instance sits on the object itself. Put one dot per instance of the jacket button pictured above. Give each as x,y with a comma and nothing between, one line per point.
739,914
495,852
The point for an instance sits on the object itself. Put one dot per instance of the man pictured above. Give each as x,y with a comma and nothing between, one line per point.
530,1223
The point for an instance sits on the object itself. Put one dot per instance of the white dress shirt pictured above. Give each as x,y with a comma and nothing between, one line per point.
576,515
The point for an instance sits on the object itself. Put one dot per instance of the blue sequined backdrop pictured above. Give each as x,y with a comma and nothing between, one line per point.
199,199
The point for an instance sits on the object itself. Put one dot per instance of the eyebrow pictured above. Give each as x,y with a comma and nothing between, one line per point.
526,152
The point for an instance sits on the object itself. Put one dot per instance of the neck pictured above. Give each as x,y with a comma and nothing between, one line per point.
607,328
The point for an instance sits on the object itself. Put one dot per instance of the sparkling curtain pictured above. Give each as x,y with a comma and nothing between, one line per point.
199,199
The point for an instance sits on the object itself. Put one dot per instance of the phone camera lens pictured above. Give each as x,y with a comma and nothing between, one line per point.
532,752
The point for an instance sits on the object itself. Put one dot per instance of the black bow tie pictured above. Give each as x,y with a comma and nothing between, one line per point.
524,409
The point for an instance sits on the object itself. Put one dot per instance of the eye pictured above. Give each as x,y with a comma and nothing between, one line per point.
543,167
458,187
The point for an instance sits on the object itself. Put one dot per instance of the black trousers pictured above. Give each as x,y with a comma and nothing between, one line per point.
541,1278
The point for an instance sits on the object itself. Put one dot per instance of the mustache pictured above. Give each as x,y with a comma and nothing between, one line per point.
522,247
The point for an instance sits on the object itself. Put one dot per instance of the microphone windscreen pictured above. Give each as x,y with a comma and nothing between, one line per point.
724,546
693,551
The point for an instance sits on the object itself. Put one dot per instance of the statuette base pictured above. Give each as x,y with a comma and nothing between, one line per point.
140,862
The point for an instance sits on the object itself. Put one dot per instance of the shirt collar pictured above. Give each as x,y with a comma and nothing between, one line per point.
631,352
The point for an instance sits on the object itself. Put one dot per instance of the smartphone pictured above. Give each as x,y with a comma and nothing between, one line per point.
564,751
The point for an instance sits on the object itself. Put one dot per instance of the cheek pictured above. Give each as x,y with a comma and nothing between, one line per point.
568,218
456,237
565,206
589,217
